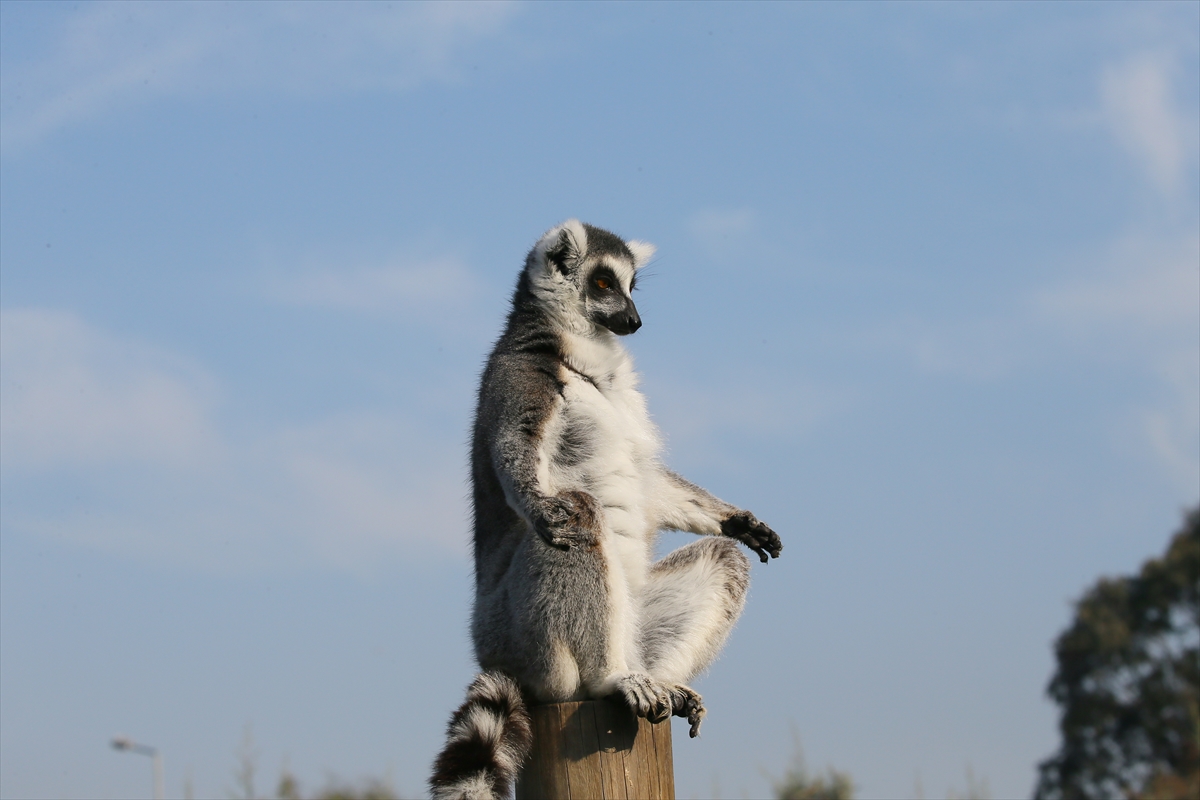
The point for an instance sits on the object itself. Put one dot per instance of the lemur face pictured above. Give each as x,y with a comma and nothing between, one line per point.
585,275
607,299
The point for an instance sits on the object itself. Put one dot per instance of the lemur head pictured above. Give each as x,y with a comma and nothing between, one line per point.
583,276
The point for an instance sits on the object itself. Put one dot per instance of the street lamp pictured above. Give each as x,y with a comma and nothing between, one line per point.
129,745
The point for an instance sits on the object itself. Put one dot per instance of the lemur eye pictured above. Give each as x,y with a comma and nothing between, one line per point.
602,283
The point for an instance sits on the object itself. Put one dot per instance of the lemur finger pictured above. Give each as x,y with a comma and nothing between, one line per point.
551,538
769,547
753,544
768,540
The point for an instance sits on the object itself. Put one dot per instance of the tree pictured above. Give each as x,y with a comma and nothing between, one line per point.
1128,684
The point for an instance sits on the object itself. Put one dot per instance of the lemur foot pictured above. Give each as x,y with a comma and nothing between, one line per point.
746,528
686,703
647,697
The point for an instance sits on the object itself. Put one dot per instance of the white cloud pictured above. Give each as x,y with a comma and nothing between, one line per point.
114,54
133,431
1142,113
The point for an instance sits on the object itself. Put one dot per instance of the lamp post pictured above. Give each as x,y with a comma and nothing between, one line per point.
129,745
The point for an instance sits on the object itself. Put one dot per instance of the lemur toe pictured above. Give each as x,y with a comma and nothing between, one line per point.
686,702
694,719
646,697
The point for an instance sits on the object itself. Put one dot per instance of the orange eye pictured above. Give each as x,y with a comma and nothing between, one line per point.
602,283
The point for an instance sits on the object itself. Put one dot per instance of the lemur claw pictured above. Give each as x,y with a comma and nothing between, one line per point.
758,536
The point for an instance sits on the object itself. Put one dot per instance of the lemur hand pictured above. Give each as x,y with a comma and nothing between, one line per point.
746,528
569,519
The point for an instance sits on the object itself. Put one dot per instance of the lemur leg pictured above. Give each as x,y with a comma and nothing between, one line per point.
564,623
544,622
690,604
622,669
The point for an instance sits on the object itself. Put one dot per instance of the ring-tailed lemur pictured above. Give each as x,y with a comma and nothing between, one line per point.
569,495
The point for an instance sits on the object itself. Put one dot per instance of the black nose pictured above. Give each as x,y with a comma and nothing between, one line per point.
634,321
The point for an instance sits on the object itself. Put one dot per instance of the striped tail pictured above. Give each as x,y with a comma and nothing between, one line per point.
487,741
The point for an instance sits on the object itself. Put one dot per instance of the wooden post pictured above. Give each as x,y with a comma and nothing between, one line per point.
597,750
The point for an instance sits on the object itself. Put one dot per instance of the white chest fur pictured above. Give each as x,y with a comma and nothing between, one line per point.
600,440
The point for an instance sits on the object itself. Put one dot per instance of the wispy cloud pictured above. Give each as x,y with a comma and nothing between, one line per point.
437,288
1143,306
137,431
75,396
1140,109
1145,284
697,420
1132,304
713,223
1173,426
110,55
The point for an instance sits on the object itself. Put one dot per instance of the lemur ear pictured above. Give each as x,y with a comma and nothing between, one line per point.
563,254
642,252
562,247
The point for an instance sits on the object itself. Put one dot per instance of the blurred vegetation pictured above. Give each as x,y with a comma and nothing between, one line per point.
800,784
977,789
288,787
1128,684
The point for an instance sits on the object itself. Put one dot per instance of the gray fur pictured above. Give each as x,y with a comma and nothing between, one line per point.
570,493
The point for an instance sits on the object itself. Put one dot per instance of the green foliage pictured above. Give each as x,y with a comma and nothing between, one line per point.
1128,684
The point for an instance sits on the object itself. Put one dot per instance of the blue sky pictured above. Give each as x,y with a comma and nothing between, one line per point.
926,299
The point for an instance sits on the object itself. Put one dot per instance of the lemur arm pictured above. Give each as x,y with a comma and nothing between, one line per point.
521,409
687,507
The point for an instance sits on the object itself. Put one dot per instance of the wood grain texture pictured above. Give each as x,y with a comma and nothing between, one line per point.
597,750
